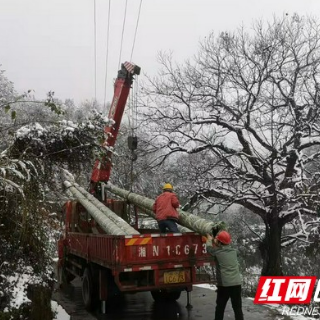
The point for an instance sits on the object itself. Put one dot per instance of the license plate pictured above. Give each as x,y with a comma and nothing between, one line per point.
174,277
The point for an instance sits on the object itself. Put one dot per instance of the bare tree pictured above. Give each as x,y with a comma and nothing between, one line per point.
249,104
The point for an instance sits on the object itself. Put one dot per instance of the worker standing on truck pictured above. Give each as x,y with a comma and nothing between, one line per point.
228,274
165,209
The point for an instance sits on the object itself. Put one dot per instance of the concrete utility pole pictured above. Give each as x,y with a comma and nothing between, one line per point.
186,219
110,222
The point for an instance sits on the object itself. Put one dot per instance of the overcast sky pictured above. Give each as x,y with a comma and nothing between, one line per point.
49,44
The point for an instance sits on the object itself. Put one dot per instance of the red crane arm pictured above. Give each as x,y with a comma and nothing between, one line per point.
102,169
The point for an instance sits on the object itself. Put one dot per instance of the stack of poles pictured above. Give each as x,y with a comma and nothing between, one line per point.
110,222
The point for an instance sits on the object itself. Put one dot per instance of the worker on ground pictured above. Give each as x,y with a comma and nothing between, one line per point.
165,209
228,274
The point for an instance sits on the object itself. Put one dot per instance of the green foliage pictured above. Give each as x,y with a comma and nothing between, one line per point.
50,103
25,226
38,309
13,112
16,314
25,239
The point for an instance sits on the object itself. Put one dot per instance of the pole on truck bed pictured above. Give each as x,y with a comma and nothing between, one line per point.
191,221
121,223
107,225
151,214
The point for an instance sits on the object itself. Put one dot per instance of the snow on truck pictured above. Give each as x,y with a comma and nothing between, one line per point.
112,256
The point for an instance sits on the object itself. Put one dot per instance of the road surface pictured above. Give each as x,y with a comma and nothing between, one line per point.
140,306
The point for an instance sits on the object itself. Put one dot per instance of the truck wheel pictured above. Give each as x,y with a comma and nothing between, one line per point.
88,290
165,295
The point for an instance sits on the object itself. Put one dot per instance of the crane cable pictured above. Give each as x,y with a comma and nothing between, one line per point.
134,94
132,108
123,26
133,104
95,48
107,55
135,33
133,125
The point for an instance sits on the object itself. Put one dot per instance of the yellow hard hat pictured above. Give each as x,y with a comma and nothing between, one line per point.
167,186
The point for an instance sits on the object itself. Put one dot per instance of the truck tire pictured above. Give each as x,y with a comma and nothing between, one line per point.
89,295
164,295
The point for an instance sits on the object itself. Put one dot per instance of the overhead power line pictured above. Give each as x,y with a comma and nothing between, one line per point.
135,33
107,55
123,26
95,48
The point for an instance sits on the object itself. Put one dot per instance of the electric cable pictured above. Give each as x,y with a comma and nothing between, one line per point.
95,49
135,33
107,55
123,26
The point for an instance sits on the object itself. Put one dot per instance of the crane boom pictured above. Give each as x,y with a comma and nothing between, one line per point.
102,168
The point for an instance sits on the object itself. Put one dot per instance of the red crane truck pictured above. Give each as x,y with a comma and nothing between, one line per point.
109,265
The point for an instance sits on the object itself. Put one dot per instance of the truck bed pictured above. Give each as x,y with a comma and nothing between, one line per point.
148,250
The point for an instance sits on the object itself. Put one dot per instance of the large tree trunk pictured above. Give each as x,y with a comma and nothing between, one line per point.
270,249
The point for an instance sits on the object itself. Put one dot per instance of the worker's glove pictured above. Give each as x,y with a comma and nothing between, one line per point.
209,240
209,237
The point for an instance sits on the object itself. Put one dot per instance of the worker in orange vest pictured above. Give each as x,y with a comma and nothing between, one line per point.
165,209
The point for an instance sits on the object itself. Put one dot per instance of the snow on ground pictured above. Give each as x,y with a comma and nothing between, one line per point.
279,308
207,286
18,289
60,312
19,283
276,307
20,297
